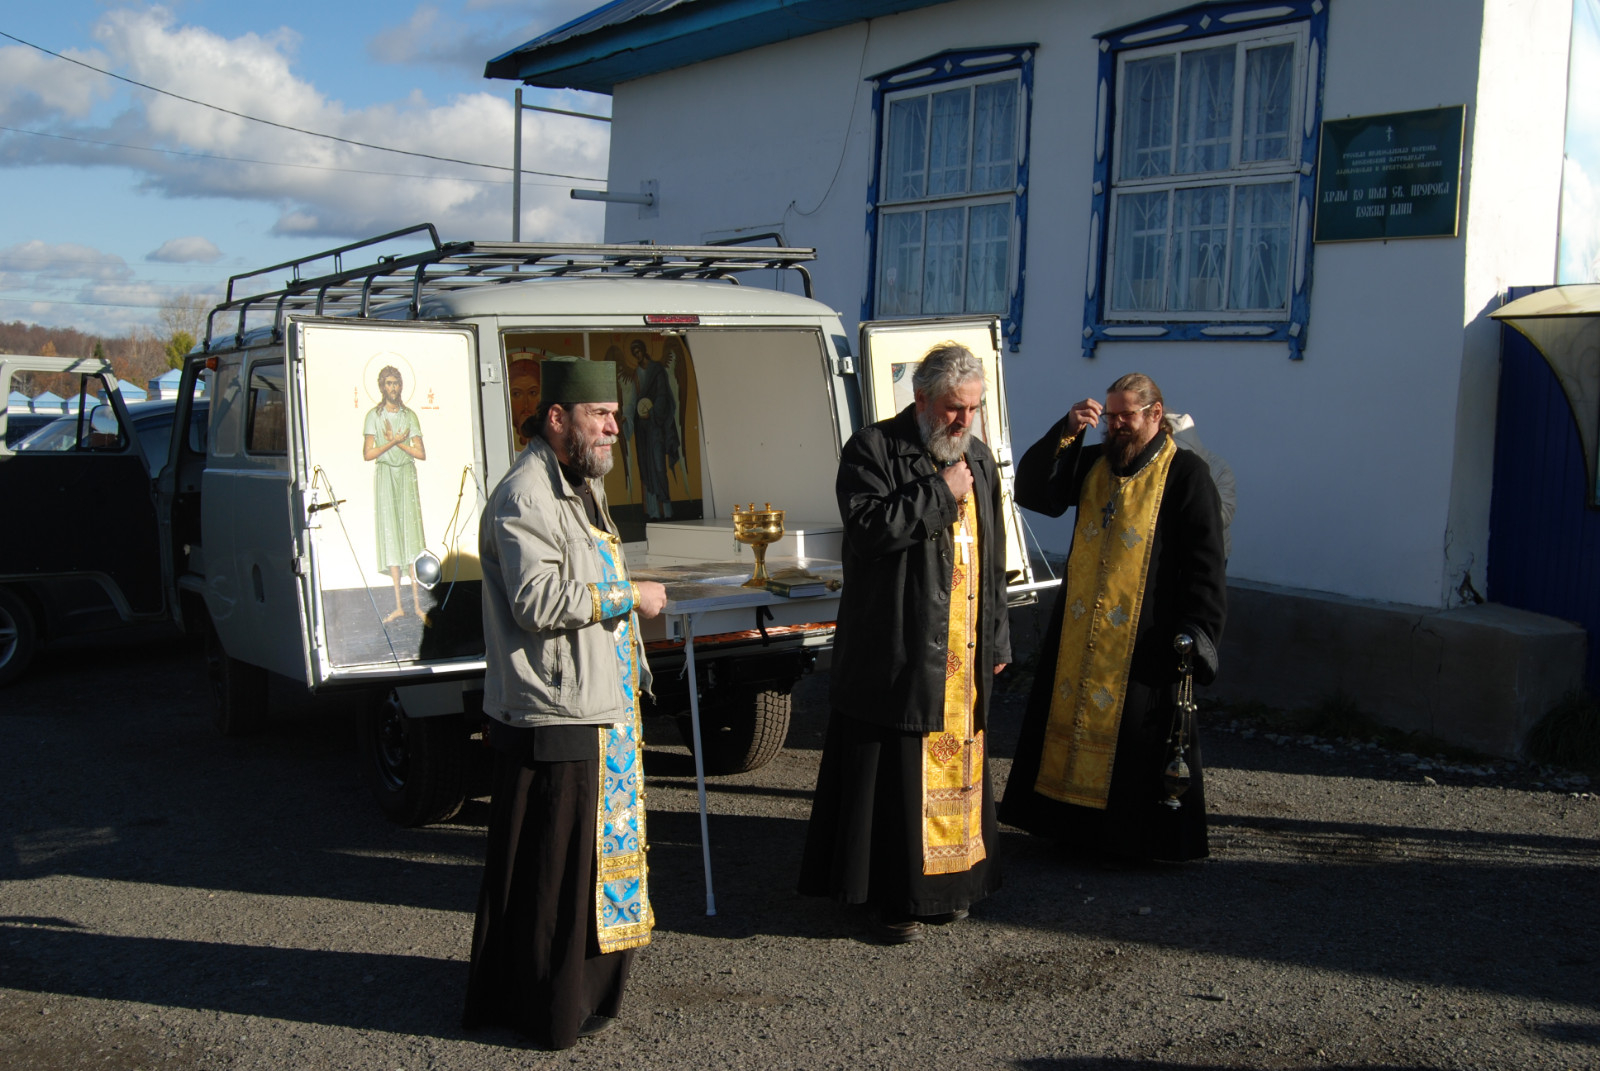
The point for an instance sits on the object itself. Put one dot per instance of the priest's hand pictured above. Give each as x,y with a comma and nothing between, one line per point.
958,478
999,667
652,597
1086,414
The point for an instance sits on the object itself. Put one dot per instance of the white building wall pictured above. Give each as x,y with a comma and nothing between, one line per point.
1352,477
1511,237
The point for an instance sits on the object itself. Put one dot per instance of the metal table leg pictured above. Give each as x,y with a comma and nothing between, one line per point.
699,756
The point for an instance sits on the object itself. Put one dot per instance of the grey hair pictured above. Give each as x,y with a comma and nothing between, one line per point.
944,368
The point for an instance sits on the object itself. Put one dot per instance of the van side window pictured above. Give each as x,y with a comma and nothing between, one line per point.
225,408
266,431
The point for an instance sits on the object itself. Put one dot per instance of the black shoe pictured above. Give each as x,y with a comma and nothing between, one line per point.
897,931
596,1024
945,918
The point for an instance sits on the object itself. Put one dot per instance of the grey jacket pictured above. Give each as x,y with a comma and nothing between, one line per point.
551,651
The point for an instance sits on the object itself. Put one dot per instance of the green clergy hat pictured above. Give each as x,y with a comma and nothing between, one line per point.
574,381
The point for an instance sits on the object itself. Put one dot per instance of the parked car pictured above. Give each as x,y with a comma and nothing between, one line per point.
21,425
90,560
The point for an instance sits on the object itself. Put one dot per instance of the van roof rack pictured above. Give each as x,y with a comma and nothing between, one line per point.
449,267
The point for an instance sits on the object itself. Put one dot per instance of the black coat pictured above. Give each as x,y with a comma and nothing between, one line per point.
894,615
1185,591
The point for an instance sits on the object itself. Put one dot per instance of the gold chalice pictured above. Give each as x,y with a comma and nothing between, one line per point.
756,528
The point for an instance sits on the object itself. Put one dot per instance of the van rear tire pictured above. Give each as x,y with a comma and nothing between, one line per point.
743,727
415,767
238,689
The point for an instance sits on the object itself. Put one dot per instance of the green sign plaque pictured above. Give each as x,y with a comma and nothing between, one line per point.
1390,176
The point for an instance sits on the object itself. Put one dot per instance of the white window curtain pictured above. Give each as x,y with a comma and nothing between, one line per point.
1199,226
1268,95
1205,111
1141,251
949,200
1147,117
1199,248
1263,213
907,150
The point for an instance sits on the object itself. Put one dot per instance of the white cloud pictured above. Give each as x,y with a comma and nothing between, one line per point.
78,286
189,250
323,195
430,36
1580,226
62,261
35,86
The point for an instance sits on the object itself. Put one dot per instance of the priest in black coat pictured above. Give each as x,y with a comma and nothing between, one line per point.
1146,566
903,819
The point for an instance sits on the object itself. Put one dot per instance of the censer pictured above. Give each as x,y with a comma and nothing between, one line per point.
1175,777
756,528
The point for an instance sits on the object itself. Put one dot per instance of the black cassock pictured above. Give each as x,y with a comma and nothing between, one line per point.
1185,591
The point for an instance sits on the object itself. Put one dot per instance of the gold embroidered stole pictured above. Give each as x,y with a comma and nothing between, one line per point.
952,759
622,894
1106,576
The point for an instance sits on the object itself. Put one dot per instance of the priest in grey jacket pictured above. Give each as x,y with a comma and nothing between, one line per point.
565,897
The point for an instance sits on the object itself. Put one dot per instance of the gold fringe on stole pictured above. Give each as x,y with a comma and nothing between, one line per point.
623,915
1106,576
952,759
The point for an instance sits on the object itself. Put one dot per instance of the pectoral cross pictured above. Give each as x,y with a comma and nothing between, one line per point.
962,542
1110,509
963,538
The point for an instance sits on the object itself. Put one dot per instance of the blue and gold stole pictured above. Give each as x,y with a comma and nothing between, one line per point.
622,890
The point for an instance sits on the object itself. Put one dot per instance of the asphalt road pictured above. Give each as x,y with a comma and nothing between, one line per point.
170,899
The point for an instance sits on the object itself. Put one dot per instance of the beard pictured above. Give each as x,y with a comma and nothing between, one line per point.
591,456
945,445
1123,445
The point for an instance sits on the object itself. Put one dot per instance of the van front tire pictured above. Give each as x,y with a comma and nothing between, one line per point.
415,767
19,636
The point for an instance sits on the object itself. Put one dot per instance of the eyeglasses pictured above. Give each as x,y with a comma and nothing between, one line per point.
1126,414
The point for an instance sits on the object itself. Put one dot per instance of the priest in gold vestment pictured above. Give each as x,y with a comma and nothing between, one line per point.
903,819
1146,565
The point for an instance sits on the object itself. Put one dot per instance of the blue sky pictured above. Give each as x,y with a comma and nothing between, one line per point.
98,231
1580,181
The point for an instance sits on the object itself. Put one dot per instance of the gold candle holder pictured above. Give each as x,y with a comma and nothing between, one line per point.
757,528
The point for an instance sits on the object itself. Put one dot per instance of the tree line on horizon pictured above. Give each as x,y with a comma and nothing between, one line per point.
139,356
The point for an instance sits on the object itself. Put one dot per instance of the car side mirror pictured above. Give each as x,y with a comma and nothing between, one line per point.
104,431
103,420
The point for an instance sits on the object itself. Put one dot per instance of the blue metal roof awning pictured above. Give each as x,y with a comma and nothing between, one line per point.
628,39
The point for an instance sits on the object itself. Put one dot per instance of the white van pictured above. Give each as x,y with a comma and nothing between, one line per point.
316,553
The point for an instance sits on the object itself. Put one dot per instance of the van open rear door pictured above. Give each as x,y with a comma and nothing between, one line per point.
890,351
386,458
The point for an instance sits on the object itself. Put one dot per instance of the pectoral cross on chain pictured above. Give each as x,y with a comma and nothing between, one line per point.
964,539
1109,511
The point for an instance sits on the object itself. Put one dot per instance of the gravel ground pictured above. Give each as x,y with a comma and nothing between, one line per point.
170,899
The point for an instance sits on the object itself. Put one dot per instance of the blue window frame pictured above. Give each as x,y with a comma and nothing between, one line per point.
1205,149
947,208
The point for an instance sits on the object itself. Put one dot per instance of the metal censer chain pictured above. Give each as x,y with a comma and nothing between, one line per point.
1176,774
